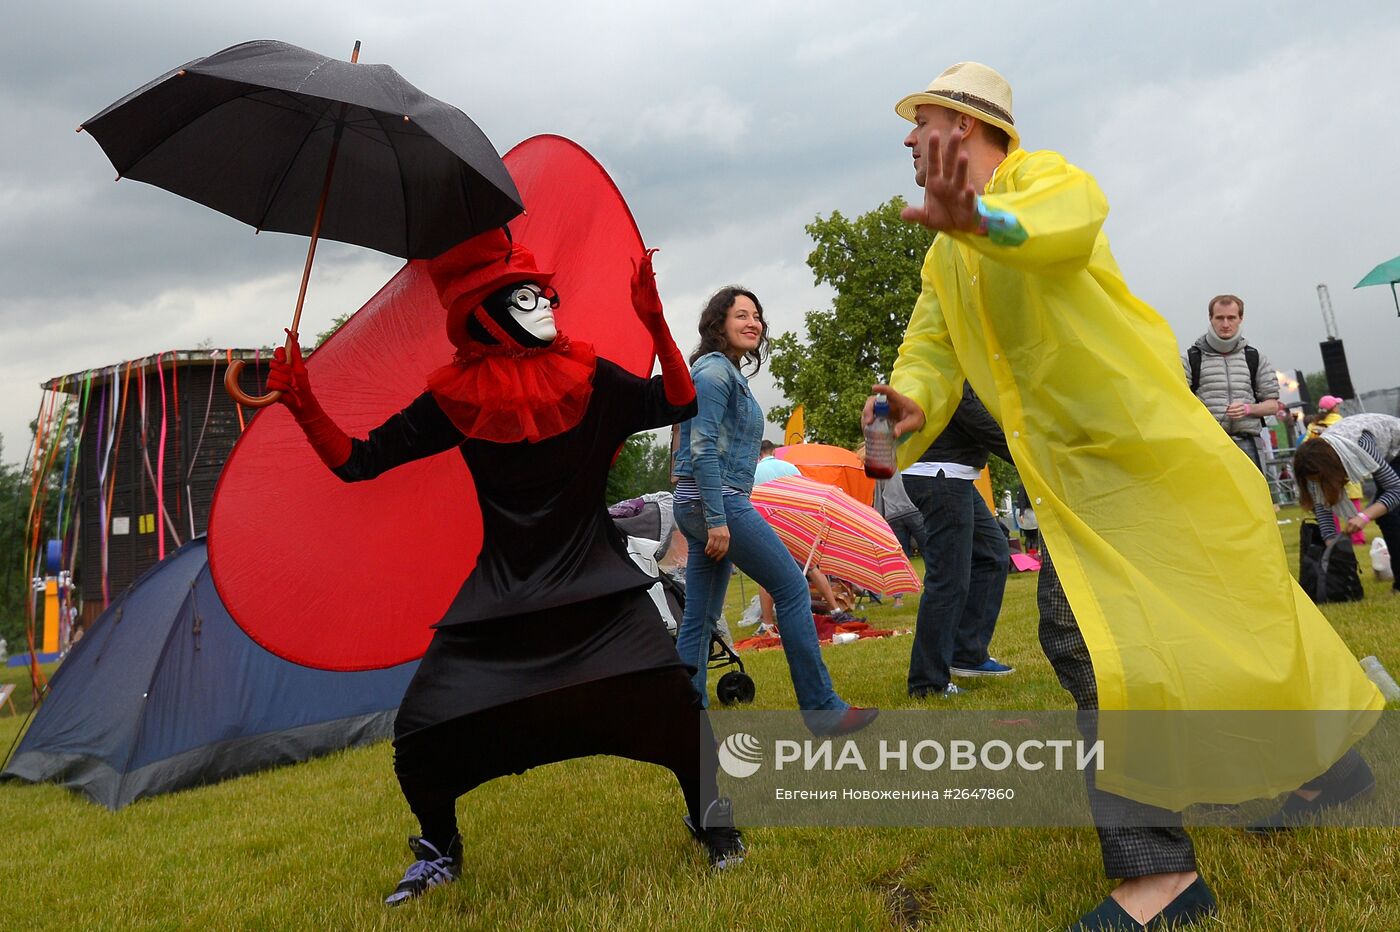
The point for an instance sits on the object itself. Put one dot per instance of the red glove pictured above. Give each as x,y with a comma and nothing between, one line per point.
675,374
292,380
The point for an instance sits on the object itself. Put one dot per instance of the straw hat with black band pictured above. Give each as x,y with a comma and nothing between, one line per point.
972,88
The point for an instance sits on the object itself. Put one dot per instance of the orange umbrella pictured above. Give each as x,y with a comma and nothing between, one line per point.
833,465
823,527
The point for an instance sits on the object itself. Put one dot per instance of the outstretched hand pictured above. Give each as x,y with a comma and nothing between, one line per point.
289,376
905,412
646,302
950,202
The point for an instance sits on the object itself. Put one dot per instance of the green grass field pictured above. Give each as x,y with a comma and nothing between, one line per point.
598,843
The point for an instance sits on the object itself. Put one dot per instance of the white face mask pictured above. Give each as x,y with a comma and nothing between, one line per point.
538,322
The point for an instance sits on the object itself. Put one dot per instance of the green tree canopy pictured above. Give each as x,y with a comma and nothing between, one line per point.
1317,385
14,579
643,465
873,263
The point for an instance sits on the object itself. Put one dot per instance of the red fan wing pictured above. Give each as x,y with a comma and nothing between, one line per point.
352,576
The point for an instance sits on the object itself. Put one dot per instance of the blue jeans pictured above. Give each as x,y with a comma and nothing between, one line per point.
757,551
965,567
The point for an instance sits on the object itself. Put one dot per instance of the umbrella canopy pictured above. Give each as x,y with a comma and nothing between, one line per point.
833,465
824,527
1387,273
249,132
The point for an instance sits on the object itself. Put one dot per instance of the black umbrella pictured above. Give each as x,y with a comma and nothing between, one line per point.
285,139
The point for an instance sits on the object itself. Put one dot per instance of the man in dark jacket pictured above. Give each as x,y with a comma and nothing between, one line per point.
967,555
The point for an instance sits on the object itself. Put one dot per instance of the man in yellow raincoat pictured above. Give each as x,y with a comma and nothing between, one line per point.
1168,588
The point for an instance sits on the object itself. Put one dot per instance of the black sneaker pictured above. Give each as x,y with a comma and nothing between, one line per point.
947,692
1297,812
432,868
1191,906
721,840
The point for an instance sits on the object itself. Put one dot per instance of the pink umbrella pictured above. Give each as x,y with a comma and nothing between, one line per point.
824,527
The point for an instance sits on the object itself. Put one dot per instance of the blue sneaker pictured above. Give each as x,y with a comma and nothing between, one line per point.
988,668
432,868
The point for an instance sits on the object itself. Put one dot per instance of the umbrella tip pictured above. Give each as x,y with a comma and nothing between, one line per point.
355,53
79,129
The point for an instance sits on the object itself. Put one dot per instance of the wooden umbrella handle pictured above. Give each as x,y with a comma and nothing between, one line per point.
235,368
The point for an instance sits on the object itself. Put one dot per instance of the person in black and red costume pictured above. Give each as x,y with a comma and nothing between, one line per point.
552,648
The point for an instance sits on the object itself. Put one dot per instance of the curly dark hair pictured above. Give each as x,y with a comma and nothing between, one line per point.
713,319
1316,461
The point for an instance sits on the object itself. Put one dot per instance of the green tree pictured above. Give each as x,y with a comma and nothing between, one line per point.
643,465
1317,385
1005,478
324,335
14,581
15,530
873,264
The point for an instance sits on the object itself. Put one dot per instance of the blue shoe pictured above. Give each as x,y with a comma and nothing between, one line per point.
988,668
432,869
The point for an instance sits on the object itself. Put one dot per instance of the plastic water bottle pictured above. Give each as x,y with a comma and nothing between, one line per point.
1382,678
879,442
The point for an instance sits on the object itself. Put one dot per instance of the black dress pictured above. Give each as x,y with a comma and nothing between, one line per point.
554,599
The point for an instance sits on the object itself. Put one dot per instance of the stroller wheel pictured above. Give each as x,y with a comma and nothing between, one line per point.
735,687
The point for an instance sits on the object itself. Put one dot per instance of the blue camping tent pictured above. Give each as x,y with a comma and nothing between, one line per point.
166,692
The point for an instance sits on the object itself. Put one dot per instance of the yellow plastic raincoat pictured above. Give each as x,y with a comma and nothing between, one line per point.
1163,533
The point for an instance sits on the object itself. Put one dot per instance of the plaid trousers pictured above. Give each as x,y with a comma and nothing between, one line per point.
1137,840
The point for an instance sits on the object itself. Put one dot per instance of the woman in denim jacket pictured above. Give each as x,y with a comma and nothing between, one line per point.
715,467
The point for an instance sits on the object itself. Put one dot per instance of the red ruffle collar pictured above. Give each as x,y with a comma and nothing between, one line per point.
506,393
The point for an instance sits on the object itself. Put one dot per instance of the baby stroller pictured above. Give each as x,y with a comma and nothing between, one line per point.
648,525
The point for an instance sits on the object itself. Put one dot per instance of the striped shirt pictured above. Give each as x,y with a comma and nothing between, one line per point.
1387,487
688,490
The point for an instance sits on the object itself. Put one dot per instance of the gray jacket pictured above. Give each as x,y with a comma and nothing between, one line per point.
1225,380
891,501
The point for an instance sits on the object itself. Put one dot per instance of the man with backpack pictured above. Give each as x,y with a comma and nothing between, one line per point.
1233,379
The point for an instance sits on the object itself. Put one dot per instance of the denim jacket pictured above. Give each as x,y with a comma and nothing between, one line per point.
719,446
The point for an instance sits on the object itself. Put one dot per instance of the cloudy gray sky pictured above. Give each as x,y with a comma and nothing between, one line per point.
1248,148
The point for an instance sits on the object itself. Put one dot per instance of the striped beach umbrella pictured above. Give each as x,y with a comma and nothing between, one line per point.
824,527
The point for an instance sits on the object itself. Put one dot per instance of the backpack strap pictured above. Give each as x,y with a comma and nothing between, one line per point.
1251,356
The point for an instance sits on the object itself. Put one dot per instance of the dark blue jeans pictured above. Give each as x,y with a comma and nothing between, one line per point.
965,558
909,531
754,547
